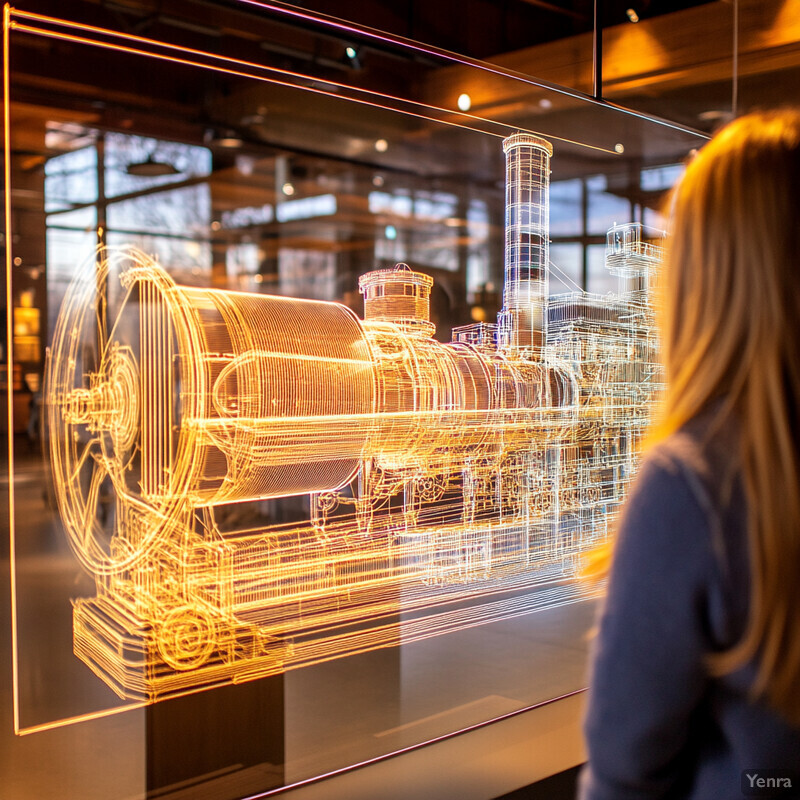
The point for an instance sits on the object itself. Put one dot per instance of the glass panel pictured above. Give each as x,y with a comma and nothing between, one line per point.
287,485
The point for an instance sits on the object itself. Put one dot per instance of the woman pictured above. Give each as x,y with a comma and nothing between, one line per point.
695,689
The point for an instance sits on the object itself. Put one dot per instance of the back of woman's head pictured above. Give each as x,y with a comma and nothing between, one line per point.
731,330
731,289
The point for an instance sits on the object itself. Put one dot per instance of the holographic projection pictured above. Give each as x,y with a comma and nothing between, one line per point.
446,485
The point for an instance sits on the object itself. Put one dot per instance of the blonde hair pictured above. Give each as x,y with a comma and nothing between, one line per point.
730,322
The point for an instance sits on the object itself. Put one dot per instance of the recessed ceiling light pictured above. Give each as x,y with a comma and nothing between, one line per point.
287,189
632,15
464,102
381,145
619,148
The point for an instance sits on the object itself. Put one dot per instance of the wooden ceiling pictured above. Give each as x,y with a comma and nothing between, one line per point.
675,65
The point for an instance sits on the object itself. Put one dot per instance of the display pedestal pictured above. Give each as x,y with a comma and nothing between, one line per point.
223,743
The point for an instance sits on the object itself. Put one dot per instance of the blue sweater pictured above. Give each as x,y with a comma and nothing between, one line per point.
658,724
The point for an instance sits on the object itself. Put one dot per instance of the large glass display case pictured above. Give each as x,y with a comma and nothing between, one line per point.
319,391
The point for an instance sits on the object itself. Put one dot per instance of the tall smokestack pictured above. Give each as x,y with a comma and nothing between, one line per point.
523,320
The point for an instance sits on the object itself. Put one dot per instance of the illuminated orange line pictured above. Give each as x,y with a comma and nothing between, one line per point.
243,63
238,73
62,723
18,730
10,358
141,40
319,562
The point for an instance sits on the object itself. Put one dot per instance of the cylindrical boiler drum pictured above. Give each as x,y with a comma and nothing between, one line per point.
433,399
288,384
160,398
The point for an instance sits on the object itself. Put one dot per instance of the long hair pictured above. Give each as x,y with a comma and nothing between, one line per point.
730,326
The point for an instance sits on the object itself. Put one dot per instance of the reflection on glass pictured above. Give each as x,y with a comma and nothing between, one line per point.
434,206
656,178
71,178
242,260
655,183
598,279
400,203
322,205
184,212
70,238
478,233
604,210
189,260
566,268
172,222
654,219
135,163
565,207
390,244
307,273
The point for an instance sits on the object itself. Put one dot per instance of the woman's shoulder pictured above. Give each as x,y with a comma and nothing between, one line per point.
704,455
690,506
687,502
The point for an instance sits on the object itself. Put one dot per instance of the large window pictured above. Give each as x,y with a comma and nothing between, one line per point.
118,189
583,209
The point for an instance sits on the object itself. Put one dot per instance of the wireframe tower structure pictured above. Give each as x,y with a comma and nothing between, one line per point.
523,319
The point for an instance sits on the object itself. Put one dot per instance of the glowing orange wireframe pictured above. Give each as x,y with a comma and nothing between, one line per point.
440,478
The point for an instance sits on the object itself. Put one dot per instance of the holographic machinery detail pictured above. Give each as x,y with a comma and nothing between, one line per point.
439,479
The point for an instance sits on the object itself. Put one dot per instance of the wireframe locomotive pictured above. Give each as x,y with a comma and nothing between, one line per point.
446,485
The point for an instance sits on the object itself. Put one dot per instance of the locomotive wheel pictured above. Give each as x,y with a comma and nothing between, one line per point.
186,637
93,394
432,488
